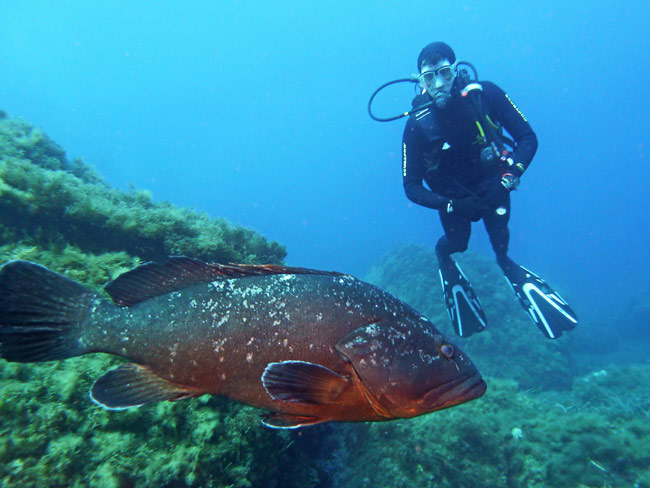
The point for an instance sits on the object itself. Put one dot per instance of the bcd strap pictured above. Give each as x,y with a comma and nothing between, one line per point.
492,133
427,118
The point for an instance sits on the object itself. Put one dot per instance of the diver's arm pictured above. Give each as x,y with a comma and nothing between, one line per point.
514,121
413,172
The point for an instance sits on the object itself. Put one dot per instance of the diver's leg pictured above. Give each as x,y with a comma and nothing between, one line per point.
463,307
547,309
496,225
455,239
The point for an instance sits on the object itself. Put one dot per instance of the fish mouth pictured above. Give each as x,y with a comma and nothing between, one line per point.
455,392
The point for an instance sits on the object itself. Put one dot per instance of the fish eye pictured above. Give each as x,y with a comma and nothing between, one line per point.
447,350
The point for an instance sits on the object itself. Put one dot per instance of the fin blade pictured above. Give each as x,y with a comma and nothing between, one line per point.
303,382
551,317
463,306
40,312
549,311
155,279
133,385
471,319
287,421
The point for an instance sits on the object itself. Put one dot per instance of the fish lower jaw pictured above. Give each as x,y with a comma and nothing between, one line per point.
447,396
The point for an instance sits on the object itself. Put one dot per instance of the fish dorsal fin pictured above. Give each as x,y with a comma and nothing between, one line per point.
155,279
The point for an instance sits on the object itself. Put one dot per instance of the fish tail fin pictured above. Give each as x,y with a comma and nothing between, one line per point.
40,313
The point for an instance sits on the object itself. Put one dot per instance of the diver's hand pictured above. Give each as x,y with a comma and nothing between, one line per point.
497,192
467,207
509,181
510,167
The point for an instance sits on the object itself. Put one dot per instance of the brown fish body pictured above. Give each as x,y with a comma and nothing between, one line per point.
309,346
219,337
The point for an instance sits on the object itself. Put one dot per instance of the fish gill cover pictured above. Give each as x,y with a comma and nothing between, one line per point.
550,417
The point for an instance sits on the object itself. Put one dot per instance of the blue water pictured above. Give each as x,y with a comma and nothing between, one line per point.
256,112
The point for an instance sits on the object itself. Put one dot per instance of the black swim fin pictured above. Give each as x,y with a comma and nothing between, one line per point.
463,307
548,309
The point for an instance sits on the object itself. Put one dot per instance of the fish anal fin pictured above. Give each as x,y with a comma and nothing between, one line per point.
303,382
287,421
155,279
133,385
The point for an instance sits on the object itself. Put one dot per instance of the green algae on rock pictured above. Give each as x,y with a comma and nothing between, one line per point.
51,201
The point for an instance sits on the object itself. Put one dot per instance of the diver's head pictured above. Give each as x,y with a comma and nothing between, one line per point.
437,66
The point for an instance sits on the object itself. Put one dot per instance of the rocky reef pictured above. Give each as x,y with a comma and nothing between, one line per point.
556,413
52,203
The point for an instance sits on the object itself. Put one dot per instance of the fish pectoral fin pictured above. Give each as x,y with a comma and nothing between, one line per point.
287,421
132,385
303,382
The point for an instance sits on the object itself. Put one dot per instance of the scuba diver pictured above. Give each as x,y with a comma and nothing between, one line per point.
454,142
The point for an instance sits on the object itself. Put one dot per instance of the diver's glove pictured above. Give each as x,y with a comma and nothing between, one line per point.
510,167
509,181
468,207
497,193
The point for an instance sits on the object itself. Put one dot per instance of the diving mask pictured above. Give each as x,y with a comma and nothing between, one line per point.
444,75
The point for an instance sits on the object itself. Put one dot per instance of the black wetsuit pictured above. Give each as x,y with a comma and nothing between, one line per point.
442,148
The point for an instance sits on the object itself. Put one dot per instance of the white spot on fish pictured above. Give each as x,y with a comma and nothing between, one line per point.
249,357
223,376
222,321
372,330
426,358
252,339
219,345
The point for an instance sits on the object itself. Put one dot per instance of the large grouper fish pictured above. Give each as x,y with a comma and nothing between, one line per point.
308,346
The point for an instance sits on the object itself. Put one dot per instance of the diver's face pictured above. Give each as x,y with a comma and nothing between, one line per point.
438,80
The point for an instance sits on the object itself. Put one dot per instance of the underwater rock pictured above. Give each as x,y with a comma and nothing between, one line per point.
51,202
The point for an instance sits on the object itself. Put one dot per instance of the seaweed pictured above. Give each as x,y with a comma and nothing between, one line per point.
52,202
